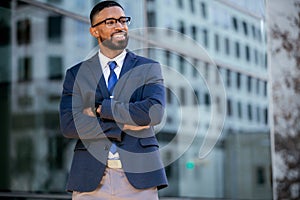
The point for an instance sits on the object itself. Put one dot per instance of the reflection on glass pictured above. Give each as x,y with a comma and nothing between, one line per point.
54,26
43,44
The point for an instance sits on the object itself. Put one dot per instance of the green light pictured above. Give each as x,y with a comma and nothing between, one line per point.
190,165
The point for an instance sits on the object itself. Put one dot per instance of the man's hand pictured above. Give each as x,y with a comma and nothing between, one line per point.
134,128
99,109
90,112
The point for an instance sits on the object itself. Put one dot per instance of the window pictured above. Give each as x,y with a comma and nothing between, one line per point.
195,66
253,31
229,107
196,97
55,28
217,42
192,6
258,114
266,116
249,107
245,27
5,31
182,97
206,99
168,58
55,68
181,61
235,24
23,32
25,101
257,86
266,60
151,17
260,176
169,169
217,75
25,69
181,27
203,9
256,57
56,145
227,46
195,72
228,78
265,88
239,108
247,52
194,32
218,104
238,80
206,70
249,84
169,95
24,154
54,98
205,38
180,3
237,49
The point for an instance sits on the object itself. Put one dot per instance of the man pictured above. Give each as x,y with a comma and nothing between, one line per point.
110,104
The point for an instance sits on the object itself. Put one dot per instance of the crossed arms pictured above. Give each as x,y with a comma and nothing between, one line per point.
90,112
78,120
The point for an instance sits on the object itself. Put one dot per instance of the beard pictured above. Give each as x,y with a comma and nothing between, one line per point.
115,45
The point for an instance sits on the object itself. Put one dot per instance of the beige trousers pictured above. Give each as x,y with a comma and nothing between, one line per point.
115,186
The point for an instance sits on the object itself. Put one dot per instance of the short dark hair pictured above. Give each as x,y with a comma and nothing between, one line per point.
100,6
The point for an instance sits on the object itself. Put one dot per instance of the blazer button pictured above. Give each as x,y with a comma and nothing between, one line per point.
106,147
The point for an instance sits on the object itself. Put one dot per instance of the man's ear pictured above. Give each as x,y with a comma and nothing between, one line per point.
94,32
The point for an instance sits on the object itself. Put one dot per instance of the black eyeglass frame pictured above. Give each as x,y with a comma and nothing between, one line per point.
128,19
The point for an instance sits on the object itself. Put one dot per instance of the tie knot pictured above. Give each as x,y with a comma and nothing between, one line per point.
112,65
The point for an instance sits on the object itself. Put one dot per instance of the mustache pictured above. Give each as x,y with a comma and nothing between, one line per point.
120,31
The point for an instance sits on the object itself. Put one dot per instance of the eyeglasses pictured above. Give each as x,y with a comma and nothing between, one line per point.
112,22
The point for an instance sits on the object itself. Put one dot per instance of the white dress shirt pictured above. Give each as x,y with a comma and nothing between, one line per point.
104,64
106,71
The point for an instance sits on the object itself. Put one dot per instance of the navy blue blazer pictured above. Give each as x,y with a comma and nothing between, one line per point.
138,99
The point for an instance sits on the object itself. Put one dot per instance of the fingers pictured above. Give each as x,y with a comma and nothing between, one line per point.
134,128
88,111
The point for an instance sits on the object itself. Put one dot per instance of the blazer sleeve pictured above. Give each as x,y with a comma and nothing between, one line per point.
148,110
75,124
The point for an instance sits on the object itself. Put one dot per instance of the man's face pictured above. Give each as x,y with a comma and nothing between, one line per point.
116,37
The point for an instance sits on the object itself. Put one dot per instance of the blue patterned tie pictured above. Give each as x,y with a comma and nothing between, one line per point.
112,80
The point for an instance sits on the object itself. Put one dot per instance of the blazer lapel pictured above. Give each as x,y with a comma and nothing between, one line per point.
95,67
129,63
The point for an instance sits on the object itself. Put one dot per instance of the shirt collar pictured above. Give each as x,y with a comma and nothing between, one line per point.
119,59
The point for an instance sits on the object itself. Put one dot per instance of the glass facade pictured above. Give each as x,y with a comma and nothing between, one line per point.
215,139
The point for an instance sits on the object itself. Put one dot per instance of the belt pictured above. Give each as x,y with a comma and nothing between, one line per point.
114,164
